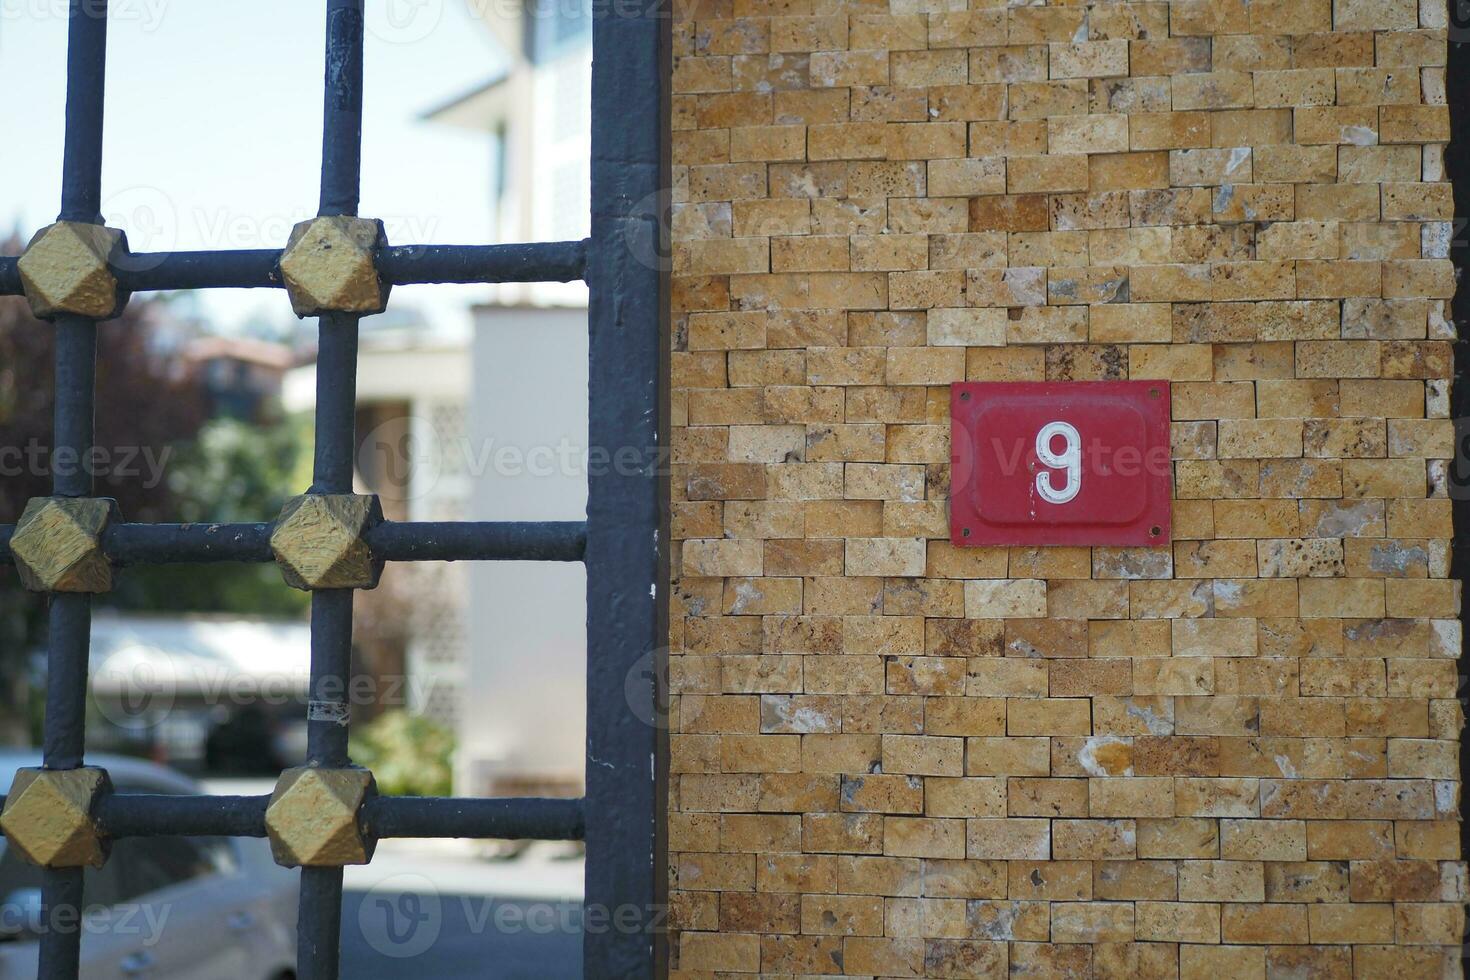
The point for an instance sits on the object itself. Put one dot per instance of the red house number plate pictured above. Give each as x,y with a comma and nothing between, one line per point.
1065,462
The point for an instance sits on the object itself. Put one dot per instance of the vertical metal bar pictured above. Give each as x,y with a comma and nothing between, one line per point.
66,680
331,664
75,369
342,111
319,918
62,745
74,409
319,921
86,67
624,879
71,476
61,940
336,403
63,740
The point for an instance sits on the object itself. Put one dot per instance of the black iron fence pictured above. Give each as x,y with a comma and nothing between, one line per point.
339,267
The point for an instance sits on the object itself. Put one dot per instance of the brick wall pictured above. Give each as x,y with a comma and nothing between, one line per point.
1235,757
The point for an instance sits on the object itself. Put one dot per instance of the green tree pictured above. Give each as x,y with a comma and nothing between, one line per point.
232,472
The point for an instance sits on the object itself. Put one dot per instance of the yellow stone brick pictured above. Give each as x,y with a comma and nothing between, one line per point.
989,599
1047,174
1197,922
1048,716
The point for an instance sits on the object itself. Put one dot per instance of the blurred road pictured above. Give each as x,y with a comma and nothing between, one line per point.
440,909
462,947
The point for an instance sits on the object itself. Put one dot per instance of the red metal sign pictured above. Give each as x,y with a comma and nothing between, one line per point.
1060,462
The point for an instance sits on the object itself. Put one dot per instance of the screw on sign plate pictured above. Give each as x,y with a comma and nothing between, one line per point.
1071,463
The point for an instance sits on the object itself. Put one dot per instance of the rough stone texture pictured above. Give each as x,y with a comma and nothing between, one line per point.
65,270
1235,757
328,266
48,816
318,541
312,819
57,544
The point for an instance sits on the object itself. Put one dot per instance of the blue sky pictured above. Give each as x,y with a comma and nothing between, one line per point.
213,129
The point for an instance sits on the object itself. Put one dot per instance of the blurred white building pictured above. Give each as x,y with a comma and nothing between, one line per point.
539,114
523,725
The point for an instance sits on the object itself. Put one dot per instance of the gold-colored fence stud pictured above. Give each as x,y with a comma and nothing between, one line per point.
329,266
57,545
50,816
313,817
319,541
65,270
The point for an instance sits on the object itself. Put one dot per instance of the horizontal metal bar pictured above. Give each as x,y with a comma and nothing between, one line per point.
506,819
141,272
243,269
161,544
156,815
524,818
535,262
399,265
164,544
479,541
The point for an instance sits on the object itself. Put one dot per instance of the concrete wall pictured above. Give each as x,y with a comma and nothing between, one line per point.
1232,757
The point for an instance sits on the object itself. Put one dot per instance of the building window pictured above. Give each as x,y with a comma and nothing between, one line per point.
556,26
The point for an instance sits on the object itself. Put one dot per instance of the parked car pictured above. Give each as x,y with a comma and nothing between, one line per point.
161,908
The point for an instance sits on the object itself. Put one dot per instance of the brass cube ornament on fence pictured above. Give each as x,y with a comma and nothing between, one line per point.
313,817
328,266
319,541
57,545
65,270
50,816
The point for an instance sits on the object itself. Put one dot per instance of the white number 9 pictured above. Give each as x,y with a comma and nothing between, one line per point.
1069,459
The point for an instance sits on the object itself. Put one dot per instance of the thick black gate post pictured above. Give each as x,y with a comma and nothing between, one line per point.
625,873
